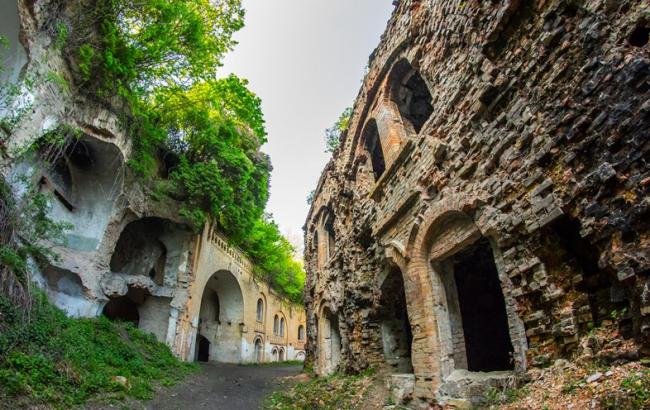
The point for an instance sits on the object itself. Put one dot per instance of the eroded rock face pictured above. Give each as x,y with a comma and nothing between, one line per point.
127,256
496,162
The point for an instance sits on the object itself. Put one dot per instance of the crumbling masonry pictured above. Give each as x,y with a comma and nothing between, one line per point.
488,204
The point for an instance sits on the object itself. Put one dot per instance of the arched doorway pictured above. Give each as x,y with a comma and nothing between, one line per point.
203,349
330,342
259,350
474,321
275,354
396,336
221,316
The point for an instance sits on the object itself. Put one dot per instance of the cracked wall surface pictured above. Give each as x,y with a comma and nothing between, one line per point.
129,254
519,125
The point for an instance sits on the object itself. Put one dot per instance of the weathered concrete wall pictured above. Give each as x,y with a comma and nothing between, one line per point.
127,255
226,272
519,123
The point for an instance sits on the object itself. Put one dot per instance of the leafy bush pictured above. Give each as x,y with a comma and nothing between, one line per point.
333,134
273,255
62,361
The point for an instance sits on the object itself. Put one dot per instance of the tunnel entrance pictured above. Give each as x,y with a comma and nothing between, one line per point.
395,328
122,309
221,317
203,354
482,308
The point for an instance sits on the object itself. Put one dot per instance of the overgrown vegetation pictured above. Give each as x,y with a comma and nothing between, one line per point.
157,62
61,361
333,134
327,393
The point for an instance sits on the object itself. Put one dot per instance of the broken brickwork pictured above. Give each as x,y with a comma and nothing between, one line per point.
497,163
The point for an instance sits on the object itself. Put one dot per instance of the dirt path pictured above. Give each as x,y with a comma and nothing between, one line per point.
221,387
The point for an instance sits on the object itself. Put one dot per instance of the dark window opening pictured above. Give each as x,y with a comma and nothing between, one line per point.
217,307
331,236
138,252
204,349
639,36
122,309
373,146
411,94
483,310
394,323
260,310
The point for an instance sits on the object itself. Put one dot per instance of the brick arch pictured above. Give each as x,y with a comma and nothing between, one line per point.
430,238
419,288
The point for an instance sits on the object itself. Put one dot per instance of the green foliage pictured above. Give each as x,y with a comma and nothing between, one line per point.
333,134
162,58
29,219
61,361
141,46
273,257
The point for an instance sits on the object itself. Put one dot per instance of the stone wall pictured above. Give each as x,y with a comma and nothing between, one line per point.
516,125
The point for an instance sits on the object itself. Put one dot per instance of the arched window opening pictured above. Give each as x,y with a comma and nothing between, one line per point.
276,325
281,355
411,95
275,354
260,310
331,236
281,326
372,144
301,332
139,251
316,249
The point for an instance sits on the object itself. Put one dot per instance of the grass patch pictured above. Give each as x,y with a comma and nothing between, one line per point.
61,361
325,393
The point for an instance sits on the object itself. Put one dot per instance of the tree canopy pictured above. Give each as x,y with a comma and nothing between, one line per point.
162,58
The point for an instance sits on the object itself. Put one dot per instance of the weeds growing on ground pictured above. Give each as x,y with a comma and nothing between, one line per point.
62,361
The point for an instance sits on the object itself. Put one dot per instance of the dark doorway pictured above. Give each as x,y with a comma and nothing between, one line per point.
483,309
123,309
394,323
204,349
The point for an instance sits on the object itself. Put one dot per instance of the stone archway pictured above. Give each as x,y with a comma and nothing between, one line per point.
329,341
221,317
450,229
394,326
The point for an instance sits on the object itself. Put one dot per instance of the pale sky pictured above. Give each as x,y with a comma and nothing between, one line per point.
305,59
